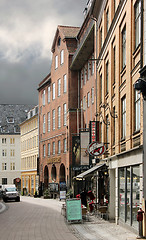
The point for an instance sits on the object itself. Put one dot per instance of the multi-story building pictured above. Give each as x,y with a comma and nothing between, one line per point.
29,153
10,118
58,110
112,32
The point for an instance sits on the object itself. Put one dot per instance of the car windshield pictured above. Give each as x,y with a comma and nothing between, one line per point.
12,189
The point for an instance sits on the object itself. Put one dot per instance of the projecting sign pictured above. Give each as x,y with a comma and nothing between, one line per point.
96,149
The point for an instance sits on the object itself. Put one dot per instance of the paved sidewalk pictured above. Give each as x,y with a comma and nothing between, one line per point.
94,229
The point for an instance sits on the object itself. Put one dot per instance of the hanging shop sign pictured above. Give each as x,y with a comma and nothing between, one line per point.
96,149
94,131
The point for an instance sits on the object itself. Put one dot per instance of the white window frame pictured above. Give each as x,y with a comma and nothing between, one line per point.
49,94
62,57
44,123
53,119
49,148
64,145
124,47
53,145
137,10
43,97
59,87
56,61
53,92
59,146
64,83
59,117
49,122
64,114
44,150
123,117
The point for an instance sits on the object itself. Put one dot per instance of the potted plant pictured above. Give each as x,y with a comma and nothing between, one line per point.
46,194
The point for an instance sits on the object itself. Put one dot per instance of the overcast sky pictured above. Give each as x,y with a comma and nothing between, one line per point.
27,29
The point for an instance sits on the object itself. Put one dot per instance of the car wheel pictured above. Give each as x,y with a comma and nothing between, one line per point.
18,199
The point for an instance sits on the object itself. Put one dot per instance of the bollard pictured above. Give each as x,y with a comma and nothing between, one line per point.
140,219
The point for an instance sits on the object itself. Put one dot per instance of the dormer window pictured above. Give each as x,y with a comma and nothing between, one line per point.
10,120
16,129
59,41
4,129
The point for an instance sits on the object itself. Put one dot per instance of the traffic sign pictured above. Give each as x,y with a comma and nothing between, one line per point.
96,149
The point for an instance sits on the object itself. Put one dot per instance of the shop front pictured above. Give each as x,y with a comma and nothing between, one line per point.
96,179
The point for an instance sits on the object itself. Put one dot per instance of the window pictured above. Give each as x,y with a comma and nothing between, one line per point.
114,55
4,152
43,98
107,130
137,110
4,181
49,94
17,129
44,150
101,88
53,148
62,57
4,166
84,103
124,117
85,75
92,95
49,122
12,140
53,118
107,20
4,140
64,84
59,117
59,87
59,147
10,120
12,152
88,99
64,114
88,70
92,72
53,96
12,166
44,123
137,23
65,145
101,41
48,149
107,76
4,129
56,62
114,125
124,47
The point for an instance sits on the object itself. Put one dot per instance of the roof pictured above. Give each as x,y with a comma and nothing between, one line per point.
89,171
67,32
11,115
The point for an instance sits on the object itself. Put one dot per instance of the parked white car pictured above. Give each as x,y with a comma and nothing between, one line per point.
10,193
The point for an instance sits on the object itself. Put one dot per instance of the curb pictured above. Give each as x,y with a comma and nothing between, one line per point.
2,207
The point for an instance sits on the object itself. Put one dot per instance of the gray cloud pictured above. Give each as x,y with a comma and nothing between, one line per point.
27,29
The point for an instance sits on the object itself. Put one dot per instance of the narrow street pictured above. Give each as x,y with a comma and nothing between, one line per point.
41,219
34,219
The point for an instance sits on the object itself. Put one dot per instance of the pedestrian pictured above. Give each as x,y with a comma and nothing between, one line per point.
84,197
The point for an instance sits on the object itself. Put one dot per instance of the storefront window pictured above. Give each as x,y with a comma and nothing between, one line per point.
128,195
122,193
135,194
